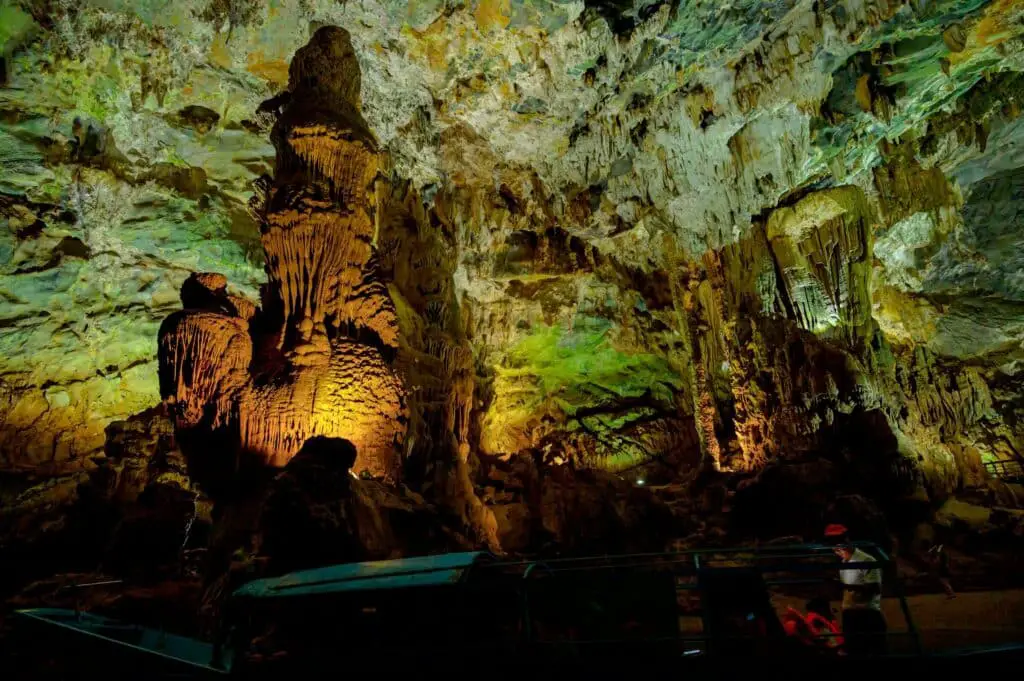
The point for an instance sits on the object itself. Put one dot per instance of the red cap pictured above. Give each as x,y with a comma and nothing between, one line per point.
835,530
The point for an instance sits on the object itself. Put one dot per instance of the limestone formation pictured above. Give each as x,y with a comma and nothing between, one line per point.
315,359
765,247
612,126
435,356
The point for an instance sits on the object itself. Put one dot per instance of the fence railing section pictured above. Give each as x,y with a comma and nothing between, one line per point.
1009,470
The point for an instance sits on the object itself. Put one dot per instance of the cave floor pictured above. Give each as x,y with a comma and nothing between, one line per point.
973,618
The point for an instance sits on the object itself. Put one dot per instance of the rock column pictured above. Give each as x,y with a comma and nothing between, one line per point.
316,359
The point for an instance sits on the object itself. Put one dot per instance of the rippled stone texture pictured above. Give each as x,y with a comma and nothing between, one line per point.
639,132
315,359
648,238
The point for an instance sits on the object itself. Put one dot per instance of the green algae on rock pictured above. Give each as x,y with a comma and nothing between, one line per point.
615,217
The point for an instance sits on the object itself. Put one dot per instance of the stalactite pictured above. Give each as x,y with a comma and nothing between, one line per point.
325,309
691,364
822,248
434,356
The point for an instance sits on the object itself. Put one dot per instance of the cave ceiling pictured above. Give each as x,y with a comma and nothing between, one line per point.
571,153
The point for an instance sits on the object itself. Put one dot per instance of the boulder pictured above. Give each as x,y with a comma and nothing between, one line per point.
563,510
134,513
315,512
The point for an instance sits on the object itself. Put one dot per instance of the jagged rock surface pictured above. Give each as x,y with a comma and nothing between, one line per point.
311,362
650,238
314,513
136,513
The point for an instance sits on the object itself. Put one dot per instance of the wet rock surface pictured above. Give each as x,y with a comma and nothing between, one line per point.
136,513
620,275
571,149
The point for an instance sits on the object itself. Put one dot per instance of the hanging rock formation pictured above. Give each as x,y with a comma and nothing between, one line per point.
690,244
419,253
315,359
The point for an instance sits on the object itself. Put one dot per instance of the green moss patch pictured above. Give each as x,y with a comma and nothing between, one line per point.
580,367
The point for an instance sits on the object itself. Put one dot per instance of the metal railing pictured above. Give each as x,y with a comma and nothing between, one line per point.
695,602
782,569
78,588
1007,470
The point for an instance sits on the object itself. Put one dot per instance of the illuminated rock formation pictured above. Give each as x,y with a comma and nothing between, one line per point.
672,242
315,360
419,258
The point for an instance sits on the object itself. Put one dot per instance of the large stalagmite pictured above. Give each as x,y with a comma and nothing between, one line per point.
316,359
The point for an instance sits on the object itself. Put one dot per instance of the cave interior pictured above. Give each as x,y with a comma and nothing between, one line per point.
286,283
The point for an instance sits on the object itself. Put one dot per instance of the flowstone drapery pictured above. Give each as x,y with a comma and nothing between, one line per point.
316,358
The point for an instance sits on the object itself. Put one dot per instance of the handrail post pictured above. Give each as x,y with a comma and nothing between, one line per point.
705,621
527,628
915,637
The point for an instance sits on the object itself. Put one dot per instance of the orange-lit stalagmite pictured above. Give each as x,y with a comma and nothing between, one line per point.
316,360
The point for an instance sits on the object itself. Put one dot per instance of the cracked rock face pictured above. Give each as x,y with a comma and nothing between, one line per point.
310,362
638,236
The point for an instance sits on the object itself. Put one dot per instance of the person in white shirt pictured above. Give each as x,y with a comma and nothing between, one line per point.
864,625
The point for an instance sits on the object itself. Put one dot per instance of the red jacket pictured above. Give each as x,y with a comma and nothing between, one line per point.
812,628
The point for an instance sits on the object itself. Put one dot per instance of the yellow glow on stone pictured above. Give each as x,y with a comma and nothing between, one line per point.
493,14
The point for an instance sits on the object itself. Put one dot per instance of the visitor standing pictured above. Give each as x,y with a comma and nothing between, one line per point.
864,625
938,567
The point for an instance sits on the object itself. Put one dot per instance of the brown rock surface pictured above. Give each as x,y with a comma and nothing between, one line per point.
315,513
136,512
314,360
747,257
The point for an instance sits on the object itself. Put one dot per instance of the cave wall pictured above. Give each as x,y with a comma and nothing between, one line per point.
419,252
646,241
